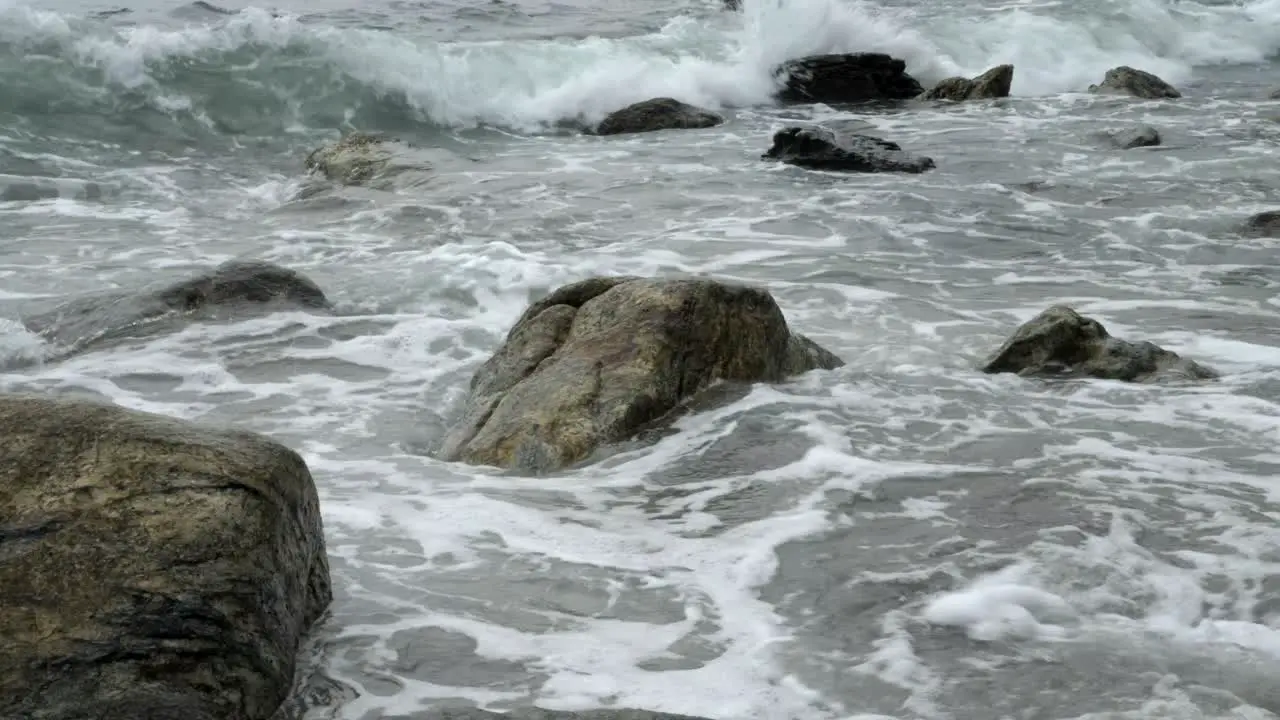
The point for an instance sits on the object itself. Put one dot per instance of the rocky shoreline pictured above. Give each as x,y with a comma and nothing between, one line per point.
159,568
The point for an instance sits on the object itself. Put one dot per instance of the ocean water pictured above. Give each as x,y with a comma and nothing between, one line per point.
901,538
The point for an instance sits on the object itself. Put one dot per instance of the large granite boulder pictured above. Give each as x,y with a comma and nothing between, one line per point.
599,360
233,288
375,162
1125,80
150,568
1062,342
994,83
819,148
657,114
850,78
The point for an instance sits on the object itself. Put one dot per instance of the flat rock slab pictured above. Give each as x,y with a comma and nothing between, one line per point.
818,148
1062,342
150,567
596,361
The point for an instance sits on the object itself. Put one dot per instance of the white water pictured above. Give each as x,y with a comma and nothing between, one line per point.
702,55
883,541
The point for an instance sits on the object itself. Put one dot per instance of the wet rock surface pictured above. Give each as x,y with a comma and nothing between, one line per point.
657,114
150,567
596,361
848,78
818,148
1062,342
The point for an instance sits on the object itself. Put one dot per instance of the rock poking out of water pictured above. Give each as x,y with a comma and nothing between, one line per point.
1125,80
1143,136
597,361
540,714
229,289
1062,342
994,83
375,162
851,78
151,567
657,114
1264,224
818,148
733,5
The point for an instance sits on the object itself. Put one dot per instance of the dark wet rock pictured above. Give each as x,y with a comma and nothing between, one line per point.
1144,136
1264,224
657,114
1060,341
599,360
852,78
1125,80
818,148
1274,94
150,567
375,162
540,714
732,4
231,289
994,83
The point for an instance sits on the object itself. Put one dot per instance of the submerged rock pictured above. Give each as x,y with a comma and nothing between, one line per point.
375,162
1060,341
233,287
657,114
851,78
1264,224
150,567
540,714
596,361
1144,136
994,83
1125,80
818,148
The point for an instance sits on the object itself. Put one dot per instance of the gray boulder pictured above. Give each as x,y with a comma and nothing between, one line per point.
1125,80
849,78
1143,136
233,288
657,114
818,148
597,361
150,567
1062,342
994,83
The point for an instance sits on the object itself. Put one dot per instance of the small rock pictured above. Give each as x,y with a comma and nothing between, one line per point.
375,162
818,148
994,83
151,567
850,78
1264,224
1125,80
657,114
597,361
1061,342
1144,136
